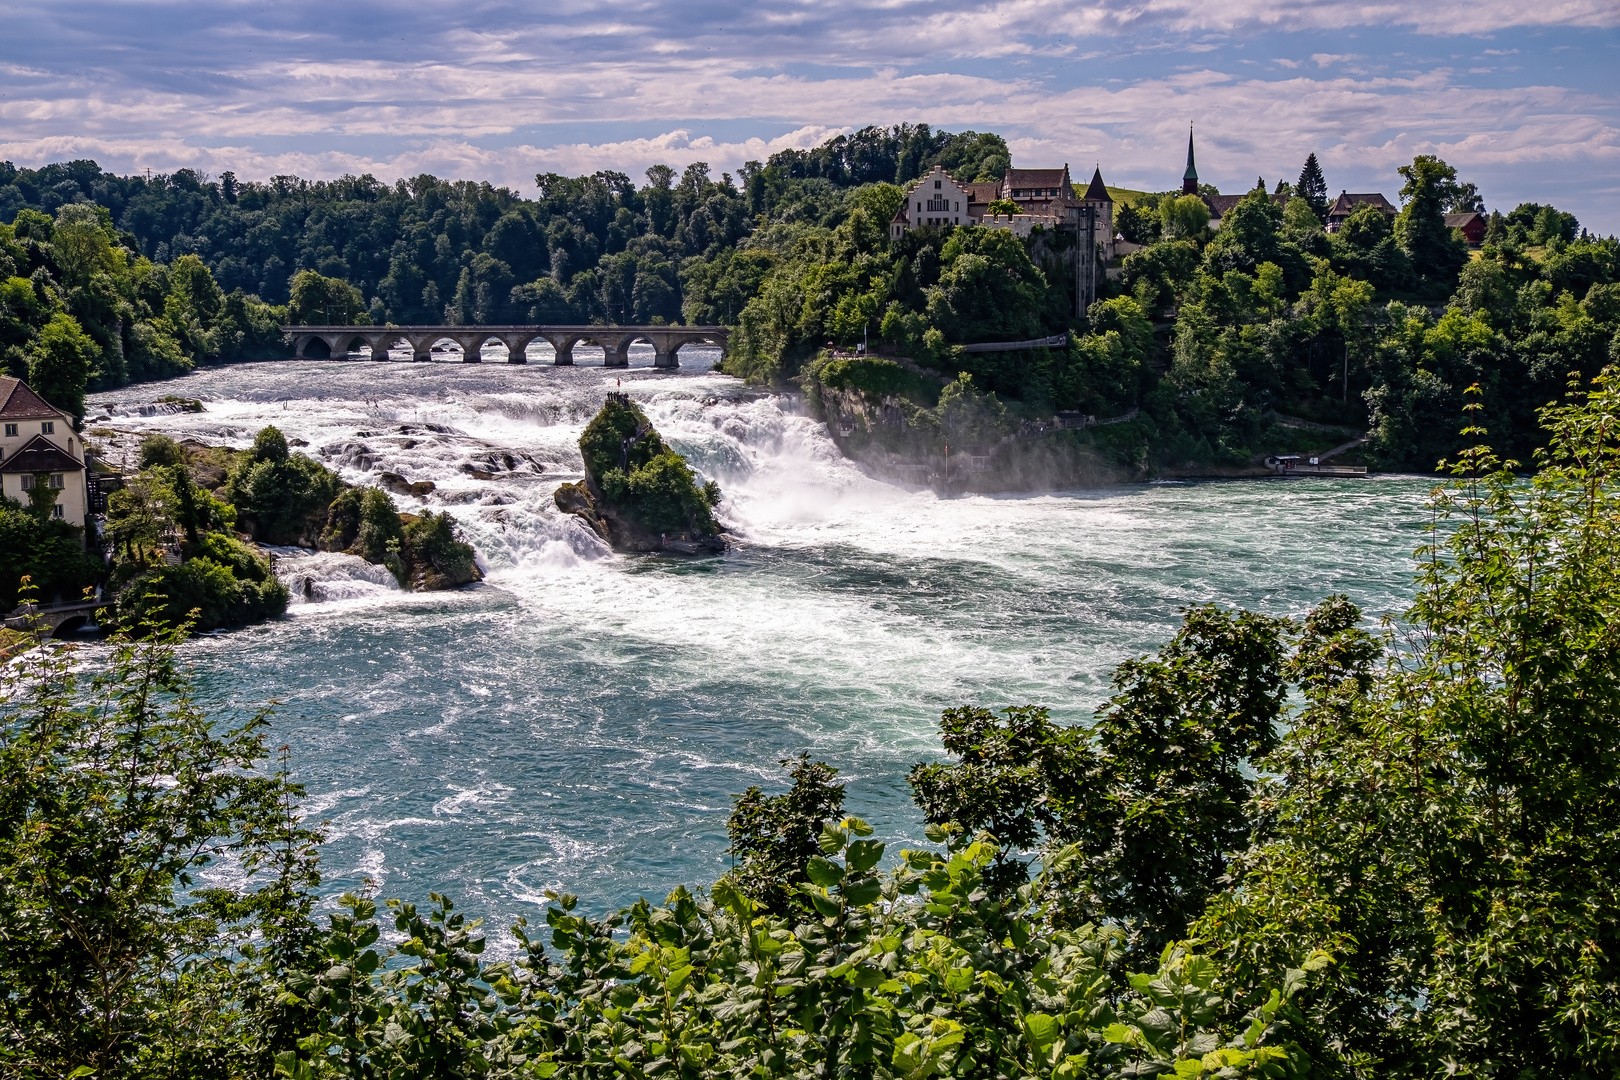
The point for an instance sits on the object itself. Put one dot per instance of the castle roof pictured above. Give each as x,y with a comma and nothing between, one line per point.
1098,191
1037,178
983,192
19,402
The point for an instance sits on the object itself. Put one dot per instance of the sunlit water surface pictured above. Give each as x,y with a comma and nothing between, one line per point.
581,720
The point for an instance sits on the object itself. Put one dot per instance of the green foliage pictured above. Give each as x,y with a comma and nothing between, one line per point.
968,417
201,591
116,794
325,301
631,466
48,551
1184,218
282,497
432,539
158,449
59,363
1421,229
774,837
380,533
1312,187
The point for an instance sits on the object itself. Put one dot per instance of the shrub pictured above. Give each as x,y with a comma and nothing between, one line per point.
280,494
432,538
160,450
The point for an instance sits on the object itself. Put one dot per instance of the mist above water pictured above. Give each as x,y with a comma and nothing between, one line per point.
581,719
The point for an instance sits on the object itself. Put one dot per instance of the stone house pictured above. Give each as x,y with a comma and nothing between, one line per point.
36,437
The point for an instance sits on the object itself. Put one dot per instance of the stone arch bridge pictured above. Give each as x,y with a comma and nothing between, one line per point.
339,342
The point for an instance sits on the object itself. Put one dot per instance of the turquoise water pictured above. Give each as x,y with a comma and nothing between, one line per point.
581,720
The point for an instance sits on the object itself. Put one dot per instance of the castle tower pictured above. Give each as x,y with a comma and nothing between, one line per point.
1097,196
1189,179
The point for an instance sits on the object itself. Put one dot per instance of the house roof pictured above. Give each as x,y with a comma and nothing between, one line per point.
19,402
1098,191
984,192
1221,205
1463,220
39,454
1347,202
1037,178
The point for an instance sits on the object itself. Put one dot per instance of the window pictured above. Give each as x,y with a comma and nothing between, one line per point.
28,481
56,481
48,428
56,511
11,431
936,184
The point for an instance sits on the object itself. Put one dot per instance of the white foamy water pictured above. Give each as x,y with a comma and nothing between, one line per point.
581,720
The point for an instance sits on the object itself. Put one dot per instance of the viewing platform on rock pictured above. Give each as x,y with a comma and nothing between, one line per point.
342,342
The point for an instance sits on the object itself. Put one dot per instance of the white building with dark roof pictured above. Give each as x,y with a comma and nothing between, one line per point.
934,201
36,438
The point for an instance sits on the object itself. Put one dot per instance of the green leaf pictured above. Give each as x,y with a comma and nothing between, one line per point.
864,854
857,826
828,908
864,893
832,839
824,872
1042,1031
1123,1034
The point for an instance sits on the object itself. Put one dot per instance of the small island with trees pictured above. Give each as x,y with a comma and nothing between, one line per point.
638,494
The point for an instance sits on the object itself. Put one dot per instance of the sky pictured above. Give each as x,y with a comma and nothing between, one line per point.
1523,98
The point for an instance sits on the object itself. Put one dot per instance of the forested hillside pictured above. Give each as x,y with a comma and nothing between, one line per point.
1210,333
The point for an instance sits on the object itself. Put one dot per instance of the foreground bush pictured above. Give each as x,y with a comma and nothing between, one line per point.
1286,848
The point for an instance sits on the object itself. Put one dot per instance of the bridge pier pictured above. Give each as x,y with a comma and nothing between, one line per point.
615,351
563,346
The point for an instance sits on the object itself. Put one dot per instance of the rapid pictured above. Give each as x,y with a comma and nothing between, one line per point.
581,720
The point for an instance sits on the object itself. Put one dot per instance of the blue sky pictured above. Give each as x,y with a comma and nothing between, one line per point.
1523,98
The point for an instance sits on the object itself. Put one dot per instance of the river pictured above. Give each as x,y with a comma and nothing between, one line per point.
581,720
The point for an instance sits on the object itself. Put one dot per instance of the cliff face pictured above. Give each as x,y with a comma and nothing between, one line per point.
622,533
892,438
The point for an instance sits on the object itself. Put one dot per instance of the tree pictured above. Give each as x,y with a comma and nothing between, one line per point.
325,301
1312,187
59,363
1420,228
1185,217
116,792
1447,822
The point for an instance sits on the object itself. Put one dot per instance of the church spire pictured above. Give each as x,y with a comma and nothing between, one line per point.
1189,179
